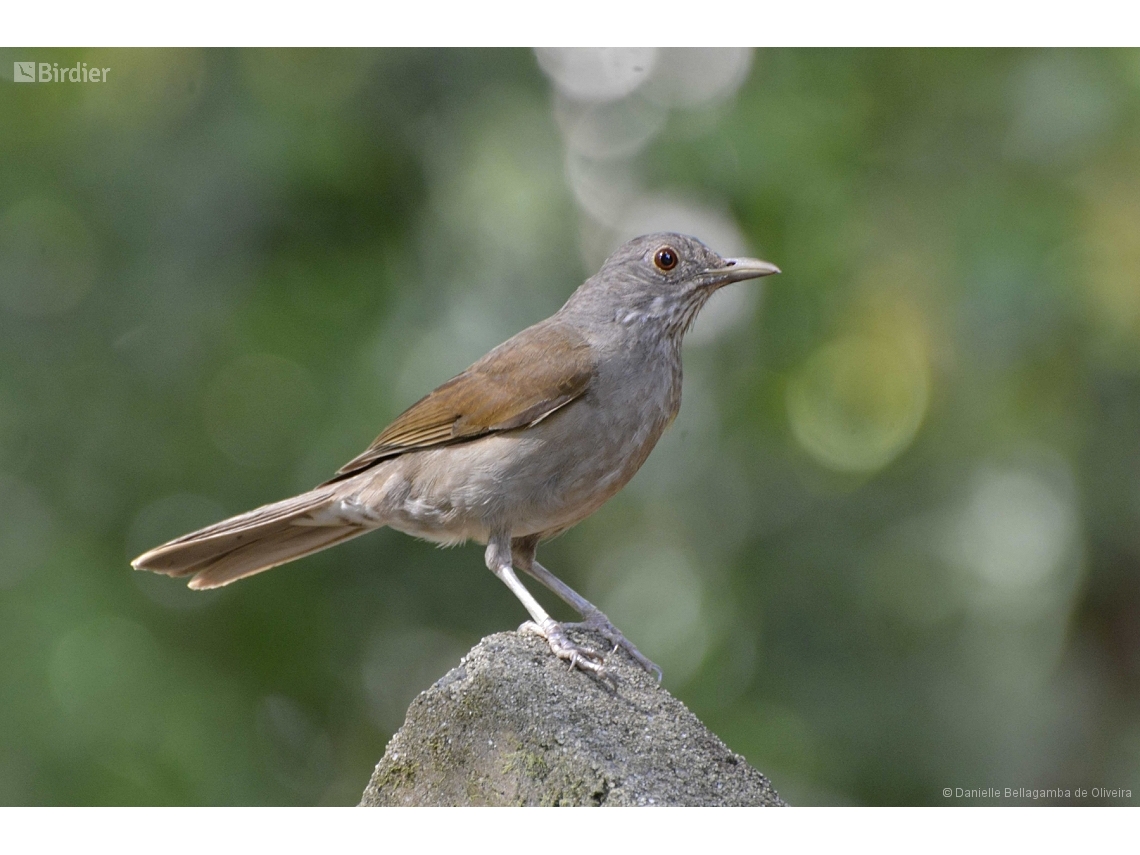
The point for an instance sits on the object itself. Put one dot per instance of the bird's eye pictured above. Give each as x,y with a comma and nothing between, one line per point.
666,258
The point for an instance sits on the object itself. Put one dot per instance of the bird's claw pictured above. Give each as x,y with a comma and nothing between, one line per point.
581,658
599,623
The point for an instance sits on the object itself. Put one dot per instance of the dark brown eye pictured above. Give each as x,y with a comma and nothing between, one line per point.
666,258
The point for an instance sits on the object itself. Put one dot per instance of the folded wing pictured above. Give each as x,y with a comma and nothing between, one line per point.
519,383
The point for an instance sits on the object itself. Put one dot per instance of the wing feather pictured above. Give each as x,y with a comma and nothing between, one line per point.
519,383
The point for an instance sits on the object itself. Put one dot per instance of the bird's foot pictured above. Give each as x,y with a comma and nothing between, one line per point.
579,657
600,624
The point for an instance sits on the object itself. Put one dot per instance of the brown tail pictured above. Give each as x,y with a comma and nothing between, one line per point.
254,541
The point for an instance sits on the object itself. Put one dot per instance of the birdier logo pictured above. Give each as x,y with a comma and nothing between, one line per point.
50,72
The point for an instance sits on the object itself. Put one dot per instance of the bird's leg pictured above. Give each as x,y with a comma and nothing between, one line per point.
523,549
498,557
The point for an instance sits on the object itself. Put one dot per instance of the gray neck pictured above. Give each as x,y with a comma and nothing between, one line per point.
640,315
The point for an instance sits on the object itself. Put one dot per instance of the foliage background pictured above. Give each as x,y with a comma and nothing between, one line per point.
891,545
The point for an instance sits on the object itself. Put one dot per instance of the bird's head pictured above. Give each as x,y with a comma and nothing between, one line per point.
661,279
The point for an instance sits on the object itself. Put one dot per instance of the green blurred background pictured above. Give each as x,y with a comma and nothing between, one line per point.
891,544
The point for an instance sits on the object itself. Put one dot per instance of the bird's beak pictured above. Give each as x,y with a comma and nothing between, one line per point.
739,269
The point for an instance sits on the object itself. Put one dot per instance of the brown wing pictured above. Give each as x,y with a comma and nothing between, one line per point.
519,383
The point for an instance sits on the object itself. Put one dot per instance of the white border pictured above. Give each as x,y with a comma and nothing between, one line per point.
469,831
221,23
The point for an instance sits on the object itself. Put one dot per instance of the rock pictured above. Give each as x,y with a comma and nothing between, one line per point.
512,725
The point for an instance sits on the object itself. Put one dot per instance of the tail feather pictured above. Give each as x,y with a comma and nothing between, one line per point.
263,555
254,541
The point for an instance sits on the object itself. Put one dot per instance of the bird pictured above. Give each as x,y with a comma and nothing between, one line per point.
525,443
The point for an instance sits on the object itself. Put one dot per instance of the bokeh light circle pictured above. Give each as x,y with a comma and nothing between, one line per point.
857,403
